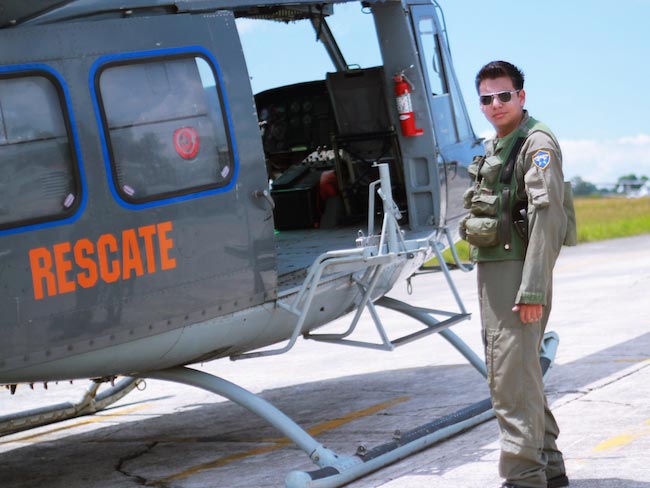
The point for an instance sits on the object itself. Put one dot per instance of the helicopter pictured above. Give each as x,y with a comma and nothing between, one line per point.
157,213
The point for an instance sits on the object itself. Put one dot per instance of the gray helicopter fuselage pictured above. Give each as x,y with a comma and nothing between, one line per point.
137,228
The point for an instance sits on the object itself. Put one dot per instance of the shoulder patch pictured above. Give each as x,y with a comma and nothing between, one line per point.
542,159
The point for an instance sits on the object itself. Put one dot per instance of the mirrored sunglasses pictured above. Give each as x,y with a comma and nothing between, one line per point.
504,97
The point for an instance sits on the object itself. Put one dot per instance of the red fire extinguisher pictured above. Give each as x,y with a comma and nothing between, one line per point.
404,106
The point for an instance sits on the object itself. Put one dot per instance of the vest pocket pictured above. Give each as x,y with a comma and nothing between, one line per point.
484,205
468,196
491,168
474,166
481,231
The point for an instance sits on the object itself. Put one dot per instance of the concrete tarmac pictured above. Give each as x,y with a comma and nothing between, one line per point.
176,436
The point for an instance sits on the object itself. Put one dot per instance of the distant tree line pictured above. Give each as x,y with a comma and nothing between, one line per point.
624,184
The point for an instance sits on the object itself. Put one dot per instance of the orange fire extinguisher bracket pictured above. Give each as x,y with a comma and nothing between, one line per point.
405,107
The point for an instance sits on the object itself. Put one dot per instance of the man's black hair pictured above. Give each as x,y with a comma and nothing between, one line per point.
497,69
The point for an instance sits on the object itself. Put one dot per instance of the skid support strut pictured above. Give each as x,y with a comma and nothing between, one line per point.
316,452
336,470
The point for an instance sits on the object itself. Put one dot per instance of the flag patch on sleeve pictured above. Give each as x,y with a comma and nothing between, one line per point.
542,159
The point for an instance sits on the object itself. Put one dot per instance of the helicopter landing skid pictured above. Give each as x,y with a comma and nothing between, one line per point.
90,403
334,469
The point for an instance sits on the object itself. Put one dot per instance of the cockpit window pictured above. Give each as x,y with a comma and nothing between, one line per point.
165,126
39,179
432,56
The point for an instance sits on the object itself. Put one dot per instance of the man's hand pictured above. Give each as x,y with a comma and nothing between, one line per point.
528,312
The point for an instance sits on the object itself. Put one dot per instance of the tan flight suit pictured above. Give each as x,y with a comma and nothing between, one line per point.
529,455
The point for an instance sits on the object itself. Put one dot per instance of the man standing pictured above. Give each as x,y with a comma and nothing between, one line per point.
516,227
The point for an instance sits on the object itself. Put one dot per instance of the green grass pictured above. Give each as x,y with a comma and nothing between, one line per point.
598,219
608,218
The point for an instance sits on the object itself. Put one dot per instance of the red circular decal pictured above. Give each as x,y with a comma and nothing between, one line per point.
186,142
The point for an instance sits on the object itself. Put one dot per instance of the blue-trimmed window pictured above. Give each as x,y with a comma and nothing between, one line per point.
39,178
165,128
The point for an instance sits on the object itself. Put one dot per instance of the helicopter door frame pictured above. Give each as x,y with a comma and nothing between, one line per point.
432,63
455,138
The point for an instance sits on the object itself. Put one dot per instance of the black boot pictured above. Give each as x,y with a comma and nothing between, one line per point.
558,482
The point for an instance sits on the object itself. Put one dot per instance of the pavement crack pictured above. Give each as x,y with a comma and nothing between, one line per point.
619,378
580,394
121,468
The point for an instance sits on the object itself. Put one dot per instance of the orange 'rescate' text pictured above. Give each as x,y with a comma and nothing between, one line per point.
65,266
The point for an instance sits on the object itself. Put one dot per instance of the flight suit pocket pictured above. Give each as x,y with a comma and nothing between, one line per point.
489,340
537,188
491,168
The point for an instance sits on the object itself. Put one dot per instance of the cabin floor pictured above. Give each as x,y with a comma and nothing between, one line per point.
298,249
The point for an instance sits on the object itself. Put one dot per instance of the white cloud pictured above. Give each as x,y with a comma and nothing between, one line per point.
605,160
638,140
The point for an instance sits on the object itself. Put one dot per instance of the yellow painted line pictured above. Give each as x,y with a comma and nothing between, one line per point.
220,462
622,440
92,420
279,443
333,424
615,442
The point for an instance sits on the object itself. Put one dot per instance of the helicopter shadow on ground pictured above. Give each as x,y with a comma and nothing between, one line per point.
220,441
223,444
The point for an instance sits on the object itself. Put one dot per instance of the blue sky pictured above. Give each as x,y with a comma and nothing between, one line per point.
587,67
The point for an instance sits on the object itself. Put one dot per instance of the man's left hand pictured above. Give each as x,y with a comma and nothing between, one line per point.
528,312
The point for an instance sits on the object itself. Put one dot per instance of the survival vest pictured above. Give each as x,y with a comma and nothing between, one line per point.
497,225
